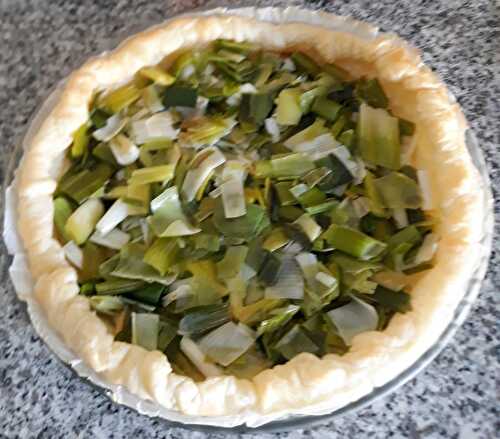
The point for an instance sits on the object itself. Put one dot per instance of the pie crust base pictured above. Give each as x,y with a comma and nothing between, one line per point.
306,384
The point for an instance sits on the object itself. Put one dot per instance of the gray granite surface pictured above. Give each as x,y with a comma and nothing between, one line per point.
457,396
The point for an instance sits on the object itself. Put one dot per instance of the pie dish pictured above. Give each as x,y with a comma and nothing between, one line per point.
305,384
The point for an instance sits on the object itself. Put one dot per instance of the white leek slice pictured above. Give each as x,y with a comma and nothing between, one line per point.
361,206
197,357
428,249
319,147
124,150
310,227
145,328
325,279
353,319
344,155
151,99
272,129
196,177
115,239
233,191
158,126
290,284
113,126
308,263
182,291
425,189
226,343
114,216
400,217
74,254
235,98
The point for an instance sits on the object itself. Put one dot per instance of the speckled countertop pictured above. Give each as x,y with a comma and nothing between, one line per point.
458,394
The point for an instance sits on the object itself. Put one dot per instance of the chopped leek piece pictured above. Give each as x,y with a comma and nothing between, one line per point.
371,92
397,191
309,226
149,294
288,166
168,219
62,211
249,364
145,329
235,46
83,220
306,136
378,137
156,74
114,216
197,356
120,98
245,227
118,286
305,63
206,161
353,242
285,197
280,317
81,140
336,71
406,128
180,96
326,108
124,151
289,283
83,184
395,300
347,139
230,265
324,207
374,198
288,111
133,264
202,319
206,131
103,152
295,342
161,174
73,254
270,271
156,128
354,318
226,343
115,239
162,254
166,334
112,127
255,107
109,305
233,195
276,240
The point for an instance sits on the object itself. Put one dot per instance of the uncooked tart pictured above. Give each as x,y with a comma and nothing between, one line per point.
249,220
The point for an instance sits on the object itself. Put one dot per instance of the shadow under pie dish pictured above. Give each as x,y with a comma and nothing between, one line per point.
288,212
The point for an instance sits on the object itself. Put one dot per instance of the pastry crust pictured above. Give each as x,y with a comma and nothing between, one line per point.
306,384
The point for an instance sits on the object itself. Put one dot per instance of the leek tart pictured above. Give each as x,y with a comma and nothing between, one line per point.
230,223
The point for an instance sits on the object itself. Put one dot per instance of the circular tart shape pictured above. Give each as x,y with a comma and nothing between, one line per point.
306,384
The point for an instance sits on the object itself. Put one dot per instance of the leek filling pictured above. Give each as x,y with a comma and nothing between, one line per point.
243,206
